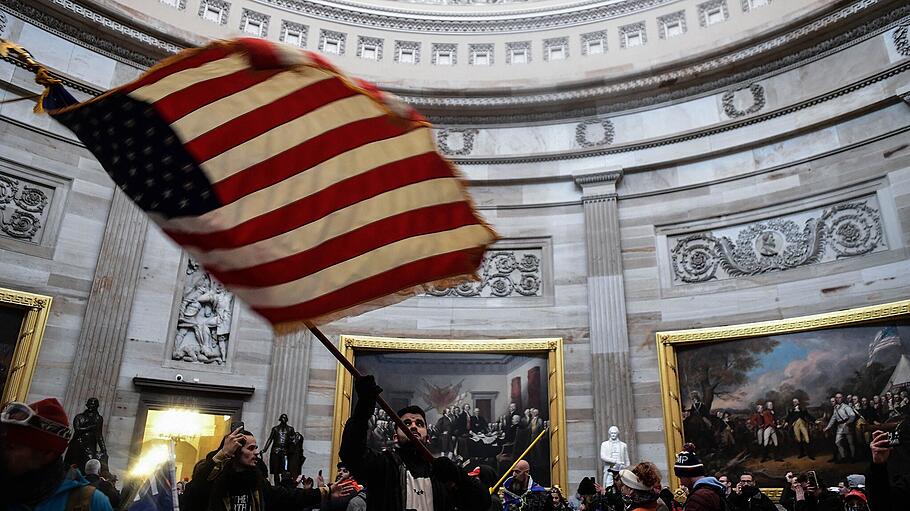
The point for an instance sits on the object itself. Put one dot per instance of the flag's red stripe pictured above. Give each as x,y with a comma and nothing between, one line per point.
404,277
203,57
417,222
313,207
256,122
306,155
186,100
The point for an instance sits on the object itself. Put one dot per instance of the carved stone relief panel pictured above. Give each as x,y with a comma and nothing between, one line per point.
31,206
901,40
843,230
503,274
3,22
745,101
456,142
204,319
594,133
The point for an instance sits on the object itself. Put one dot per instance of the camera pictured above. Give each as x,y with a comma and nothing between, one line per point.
179,377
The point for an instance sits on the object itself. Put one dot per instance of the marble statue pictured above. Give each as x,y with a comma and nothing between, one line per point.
615,455
282,440
87,442
204,321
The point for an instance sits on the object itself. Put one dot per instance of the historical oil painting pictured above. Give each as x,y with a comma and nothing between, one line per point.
482,408
794,401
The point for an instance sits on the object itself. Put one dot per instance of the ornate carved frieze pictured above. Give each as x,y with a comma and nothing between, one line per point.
445,54
3,22
465,21
556,48
667,23
176,4
632,35
585,133
594,43
204,319
503,273
518,52
480,54
707,9
839,231
407,52
254,23
467,141
729,101
293,33
23,209
901,42
369,48
216,11
750,5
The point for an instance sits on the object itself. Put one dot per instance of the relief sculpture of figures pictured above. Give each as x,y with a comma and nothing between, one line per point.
204,321
87,442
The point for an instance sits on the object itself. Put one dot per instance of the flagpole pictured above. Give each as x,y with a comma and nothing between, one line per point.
421,448
504,476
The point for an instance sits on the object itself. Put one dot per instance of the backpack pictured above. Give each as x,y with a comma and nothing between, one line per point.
80,499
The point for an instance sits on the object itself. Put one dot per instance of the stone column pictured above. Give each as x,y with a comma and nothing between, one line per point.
99,353
612,374
288,380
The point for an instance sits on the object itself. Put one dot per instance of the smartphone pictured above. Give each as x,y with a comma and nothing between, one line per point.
812,479
237,424
894,439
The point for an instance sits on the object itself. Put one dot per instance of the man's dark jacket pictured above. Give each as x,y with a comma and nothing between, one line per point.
105,487
751,499
384,472
214,481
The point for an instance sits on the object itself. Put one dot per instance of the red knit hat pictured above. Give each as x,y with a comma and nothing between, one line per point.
36,438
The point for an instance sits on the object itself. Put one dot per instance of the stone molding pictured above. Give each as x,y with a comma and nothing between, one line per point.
901,42
32,203
844,230
513,273
463,22
467,141
758,101
522,103
582,129
655,81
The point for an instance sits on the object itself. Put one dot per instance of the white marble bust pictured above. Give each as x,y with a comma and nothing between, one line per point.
615,455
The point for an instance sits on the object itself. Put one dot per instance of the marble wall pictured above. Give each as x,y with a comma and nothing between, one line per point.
794,160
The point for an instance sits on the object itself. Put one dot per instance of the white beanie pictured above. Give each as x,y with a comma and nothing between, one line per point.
92,467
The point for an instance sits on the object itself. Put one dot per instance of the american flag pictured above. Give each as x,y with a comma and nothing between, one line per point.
310,195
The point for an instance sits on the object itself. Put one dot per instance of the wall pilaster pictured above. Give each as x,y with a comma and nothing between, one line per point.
611,375
99,352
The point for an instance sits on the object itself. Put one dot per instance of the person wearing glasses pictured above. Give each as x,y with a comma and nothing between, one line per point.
33,438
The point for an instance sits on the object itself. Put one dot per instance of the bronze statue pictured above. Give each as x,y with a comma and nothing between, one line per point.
281,440
87,442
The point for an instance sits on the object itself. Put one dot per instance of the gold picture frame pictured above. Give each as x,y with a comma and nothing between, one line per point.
36,310
669,342
552,347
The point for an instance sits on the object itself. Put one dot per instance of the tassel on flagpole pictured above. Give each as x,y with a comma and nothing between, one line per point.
43,77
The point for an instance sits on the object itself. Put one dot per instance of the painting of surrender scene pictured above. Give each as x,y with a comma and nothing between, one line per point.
796,401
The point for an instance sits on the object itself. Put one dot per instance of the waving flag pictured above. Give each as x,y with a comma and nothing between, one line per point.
309,195
157,491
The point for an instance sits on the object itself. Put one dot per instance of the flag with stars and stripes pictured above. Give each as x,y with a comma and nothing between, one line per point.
310,195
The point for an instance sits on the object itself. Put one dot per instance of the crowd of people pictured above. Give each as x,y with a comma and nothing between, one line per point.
400,477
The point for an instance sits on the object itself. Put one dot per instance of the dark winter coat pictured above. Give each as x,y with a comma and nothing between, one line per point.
214,482
383,473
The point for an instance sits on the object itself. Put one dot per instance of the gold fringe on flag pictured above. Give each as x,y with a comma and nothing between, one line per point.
43,77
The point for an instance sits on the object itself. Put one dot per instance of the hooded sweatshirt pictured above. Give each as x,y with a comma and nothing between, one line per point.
706,495
58,499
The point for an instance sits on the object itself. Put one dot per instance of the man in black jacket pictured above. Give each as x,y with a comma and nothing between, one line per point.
229,479
886,489
400,479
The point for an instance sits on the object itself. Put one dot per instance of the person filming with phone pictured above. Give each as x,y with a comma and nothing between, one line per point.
229,479
887,486
748,497
810,495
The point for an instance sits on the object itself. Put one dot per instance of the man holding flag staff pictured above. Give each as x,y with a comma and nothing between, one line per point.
437,485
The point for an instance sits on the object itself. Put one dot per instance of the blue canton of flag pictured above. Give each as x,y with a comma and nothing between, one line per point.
157,492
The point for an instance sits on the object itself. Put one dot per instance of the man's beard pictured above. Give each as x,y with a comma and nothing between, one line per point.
31,487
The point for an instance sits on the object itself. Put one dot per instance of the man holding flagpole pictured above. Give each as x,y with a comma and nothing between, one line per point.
402,479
